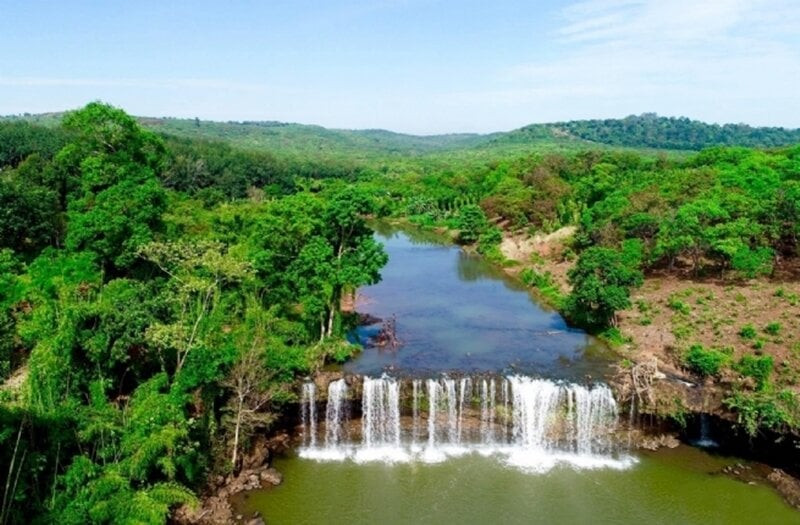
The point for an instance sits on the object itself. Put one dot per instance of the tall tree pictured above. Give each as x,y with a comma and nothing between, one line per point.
119,203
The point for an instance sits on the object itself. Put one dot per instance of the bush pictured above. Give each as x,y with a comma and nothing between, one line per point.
773,328
471,223
757,367
679,306
491,238
706,362
748,332
758,410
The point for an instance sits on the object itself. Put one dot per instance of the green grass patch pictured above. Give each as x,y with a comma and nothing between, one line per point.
544,284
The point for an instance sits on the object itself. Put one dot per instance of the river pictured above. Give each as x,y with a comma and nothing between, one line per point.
492,410
457,312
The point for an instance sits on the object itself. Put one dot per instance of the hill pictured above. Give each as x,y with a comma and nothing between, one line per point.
646,131
315,140
652,131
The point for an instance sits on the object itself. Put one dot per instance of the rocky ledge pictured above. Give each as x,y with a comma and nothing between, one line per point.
256,473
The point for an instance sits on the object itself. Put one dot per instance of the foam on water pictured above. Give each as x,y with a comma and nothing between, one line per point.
541,425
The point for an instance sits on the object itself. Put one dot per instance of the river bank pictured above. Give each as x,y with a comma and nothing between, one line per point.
673,313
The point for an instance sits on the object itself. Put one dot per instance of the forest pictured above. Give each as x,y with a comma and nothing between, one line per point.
161,290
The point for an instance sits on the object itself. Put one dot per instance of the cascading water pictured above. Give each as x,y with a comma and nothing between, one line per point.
309,413
335,413
532,423
705,440
433,395
415,387
380,421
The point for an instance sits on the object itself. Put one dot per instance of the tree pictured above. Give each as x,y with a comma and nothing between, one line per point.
119,203
358,258
471,223
690,232
198,273
601,282
27,216
250,381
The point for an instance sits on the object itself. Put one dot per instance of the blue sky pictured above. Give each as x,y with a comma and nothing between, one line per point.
418,66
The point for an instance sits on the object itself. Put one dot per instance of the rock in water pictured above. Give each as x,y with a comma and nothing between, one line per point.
271,476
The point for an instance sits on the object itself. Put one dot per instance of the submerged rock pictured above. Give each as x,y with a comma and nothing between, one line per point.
658,441
271,476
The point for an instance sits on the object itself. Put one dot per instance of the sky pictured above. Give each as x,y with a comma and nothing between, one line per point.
415,66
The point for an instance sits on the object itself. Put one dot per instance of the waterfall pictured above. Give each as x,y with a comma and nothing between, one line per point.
534,401
452,410
705,440
506,386
335,412
488,410
595,412
309,414
380,412
533,423
433,388
464,386
415,387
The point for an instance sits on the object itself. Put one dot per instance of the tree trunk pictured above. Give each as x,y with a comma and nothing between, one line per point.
331,317
236,435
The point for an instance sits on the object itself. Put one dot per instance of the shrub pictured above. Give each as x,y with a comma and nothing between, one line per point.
614,337
705,361
491,238
773,328
678,305
747,332
764,410
545,283
757,367
471,223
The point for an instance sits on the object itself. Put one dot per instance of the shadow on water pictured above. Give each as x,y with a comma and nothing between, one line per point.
457,312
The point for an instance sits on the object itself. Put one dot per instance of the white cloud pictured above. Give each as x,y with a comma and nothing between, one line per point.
717,60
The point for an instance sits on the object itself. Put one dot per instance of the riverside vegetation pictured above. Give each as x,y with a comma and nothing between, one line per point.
164,282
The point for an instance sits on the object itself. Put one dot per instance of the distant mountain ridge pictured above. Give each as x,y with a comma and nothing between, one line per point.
652,131
648,131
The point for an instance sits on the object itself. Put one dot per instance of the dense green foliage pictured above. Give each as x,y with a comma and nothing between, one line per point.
155,331
601,283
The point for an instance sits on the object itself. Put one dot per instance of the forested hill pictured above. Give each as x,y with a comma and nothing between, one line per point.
652,131
305,139
646,131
